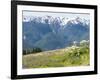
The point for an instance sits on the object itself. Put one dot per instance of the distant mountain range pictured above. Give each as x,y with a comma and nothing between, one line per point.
49,33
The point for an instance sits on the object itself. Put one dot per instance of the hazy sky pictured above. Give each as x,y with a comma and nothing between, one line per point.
53,14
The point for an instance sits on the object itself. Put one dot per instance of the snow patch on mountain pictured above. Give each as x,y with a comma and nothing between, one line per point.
56,20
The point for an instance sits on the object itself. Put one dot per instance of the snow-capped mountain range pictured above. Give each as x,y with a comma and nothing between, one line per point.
61,20
49,33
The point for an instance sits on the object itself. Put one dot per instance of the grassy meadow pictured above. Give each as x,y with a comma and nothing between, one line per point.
70,56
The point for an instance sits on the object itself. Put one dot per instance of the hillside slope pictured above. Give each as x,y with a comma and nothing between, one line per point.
71,56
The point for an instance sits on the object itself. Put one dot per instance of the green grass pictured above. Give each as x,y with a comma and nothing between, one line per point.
71,56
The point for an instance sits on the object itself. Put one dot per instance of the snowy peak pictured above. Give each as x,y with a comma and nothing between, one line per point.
56,20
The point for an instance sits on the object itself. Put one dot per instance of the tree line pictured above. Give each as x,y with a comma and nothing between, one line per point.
33,50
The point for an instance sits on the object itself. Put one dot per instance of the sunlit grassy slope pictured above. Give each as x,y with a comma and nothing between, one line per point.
71,56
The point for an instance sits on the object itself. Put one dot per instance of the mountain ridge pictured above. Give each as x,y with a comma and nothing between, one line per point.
49,33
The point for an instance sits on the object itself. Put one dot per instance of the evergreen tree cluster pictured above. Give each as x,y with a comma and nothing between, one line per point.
29,51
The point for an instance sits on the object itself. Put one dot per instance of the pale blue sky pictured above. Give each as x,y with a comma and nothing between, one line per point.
68,15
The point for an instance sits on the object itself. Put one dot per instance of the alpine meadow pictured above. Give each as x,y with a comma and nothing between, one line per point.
52,39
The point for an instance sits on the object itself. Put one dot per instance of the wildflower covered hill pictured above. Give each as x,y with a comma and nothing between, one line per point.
70,56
